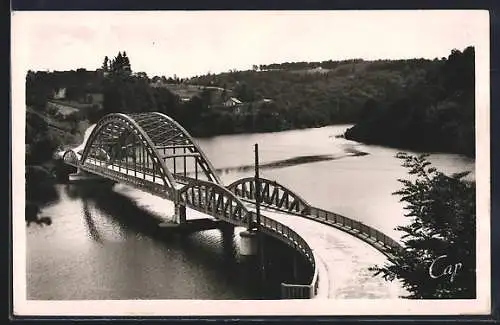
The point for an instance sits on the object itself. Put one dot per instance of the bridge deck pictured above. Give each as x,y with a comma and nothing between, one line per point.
343,260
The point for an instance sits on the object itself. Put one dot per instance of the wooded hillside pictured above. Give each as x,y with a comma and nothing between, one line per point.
418,103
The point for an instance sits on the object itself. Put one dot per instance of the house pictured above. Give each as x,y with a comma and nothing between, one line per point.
60,94
232,102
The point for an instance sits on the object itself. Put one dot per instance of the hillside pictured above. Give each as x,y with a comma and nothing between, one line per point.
322,96
390,101
44,135
435,114
187,92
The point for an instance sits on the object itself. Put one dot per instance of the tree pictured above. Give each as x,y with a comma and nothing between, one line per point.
206,97
244,92
105,66
438,255
119,61
126,63
120,64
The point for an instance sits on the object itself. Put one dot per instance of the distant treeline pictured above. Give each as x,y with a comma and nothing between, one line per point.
41,85
330,64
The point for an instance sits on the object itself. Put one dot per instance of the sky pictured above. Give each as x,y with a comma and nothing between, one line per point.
188,43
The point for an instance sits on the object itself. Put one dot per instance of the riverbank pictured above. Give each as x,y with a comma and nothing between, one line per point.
43,173
413,141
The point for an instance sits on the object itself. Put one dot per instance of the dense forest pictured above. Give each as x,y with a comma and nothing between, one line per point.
426,105
318,96
437,113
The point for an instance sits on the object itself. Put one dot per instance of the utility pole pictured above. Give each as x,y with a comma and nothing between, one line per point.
257,185
260,234
251,239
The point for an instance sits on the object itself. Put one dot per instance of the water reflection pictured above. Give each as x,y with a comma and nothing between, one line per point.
129,243
89,222
40,192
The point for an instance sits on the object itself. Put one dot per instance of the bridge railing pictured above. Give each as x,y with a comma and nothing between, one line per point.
368,234
213,199
372,236
92,166
122,169
293,239
147,171
245,189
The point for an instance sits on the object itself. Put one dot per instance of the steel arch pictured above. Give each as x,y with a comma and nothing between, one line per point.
166,133
205,162
128,124
272,194
70,158
215,200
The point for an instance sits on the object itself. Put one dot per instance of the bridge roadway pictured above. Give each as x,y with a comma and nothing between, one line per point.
342,260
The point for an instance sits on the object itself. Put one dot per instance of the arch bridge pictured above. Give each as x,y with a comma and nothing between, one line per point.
154,153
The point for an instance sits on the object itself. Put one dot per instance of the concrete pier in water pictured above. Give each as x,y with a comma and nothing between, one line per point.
249,243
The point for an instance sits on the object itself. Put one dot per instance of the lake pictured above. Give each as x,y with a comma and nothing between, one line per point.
103,243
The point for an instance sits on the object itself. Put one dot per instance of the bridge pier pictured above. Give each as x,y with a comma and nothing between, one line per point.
295,267
249,242
180,213
226,228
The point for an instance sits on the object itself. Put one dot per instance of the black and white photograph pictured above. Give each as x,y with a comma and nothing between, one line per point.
251,162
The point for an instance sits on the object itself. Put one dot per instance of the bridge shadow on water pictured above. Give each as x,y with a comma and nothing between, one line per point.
294,161
214,250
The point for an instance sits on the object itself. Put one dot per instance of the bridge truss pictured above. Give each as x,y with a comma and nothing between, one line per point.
151,144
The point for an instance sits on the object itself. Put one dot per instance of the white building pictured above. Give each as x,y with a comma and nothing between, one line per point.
232,102
60,93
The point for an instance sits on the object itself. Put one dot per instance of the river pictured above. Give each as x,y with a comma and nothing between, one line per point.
102,245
